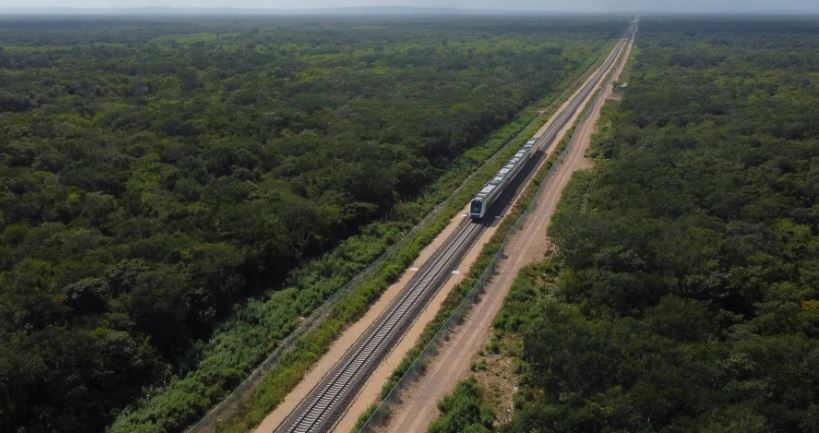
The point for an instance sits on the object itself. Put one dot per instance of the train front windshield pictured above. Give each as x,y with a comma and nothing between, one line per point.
475,209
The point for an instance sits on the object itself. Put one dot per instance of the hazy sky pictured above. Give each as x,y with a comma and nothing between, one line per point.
548,5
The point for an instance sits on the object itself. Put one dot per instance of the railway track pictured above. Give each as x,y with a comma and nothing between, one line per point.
580,97
320,409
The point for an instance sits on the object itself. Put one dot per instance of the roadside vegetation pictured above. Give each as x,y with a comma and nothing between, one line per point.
175,196
685,292
463,411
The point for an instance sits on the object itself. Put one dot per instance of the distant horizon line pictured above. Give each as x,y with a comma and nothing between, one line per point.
171,10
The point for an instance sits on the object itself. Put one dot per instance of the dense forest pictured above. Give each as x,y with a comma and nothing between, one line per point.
685,294
155,173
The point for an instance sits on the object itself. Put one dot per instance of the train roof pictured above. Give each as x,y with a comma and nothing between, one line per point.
487,189
510,165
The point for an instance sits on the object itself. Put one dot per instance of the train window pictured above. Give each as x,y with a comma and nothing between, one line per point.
477,205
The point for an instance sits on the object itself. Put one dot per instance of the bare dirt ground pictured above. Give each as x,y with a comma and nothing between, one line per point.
419,403
498,380
370,391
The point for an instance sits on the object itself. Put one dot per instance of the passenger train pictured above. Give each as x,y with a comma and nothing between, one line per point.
493,189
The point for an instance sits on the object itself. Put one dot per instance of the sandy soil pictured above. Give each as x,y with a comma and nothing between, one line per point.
419,403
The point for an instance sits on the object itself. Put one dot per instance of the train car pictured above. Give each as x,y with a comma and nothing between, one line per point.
492,189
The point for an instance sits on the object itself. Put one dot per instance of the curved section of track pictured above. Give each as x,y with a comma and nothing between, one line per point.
319,411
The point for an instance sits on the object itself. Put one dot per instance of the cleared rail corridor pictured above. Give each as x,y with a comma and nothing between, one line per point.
321,408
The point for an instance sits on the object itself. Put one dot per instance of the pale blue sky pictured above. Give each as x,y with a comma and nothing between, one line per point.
546,5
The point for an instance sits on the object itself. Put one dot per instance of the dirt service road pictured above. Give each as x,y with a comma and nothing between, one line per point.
419,403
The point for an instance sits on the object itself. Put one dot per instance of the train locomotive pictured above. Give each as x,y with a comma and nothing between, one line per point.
493,189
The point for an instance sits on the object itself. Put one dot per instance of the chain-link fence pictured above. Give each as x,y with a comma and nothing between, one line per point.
382,411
